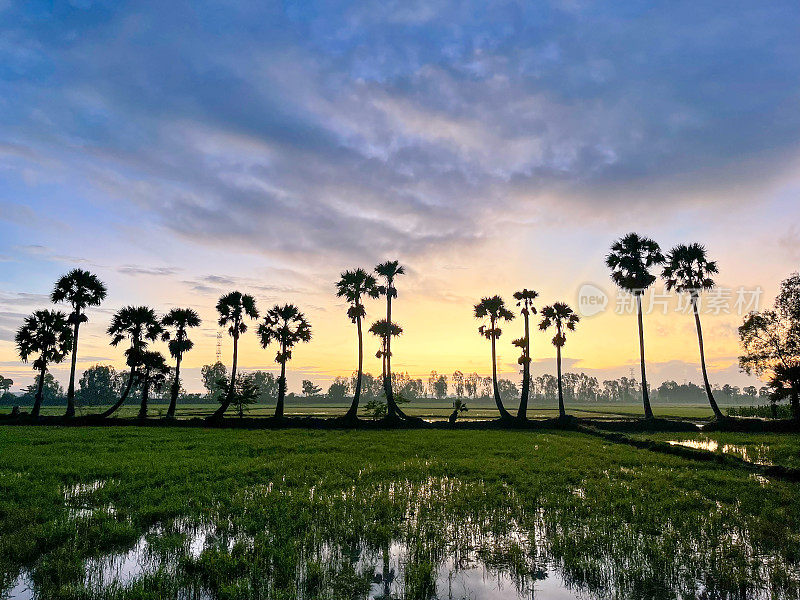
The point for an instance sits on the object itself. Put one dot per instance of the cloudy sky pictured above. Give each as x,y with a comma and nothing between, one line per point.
183,150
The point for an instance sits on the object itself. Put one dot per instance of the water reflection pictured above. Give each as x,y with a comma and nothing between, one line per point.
757,454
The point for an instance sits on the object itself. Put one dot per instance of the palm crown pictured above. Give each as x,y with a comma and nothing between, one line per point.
181,319
687,269
232,309
389,270
560,315
630,260
384,330
46,333
81,289
493,308
352,286
285,325
139,325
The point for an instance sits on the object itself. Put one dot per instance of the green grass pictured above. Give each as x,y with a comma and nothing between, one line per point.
312,514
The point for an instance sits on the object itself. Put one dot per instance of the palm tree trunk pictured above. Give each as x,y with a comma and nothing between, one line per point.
561,412
71,388
352,413
281,389
522,411
392,408
711,401
504,414
226,402
176,385
648,412
145,395
122,399
37,402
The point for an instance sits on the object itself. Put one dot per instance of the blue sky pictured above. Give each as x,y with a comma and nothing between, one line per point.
183,149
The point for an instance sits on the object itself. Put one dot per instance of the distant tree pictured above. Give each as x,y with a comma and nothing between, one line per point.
630,261
508,389
233,309
459,407
338,389
47,334
99,385
494,309
140,326
458,383
52,391
309,389
5,385
525,299
750,391
81,290
153,371
688,270
440,386
215,380
353,286
471,385
180,319
286,326
266,384
563,318
771,344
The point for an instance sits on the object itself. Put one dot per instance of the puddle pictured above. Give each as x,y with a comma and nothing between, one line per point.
752,454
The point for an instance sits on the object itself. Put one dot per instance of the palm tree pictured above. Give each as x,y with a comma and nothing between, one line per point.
286,326
352,286
153,374
384,331
81,289
389,270
563,317
140,326
181,319
494,309
688,270
48,334
525,299
232,309
630,260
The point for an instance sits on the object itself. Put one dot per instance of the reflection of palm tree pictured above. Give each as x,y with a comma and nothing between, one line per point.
139,325
630,260
48,334
286,326
181,319
81,289
494,309
688,270
562,316
525,299
153,373
232,309
352,286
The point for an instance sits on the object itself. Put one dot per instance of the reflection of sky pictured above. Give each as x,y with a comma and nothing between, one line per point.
184,151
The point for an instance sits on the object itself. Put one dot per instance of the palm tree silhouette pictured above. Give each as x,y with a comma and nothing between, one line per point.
687,269
525,299
352,286
81,289
286,326
181,319
494,309
140,326
48,334
232,309
153,373
563,317
389,270
630,260
384,330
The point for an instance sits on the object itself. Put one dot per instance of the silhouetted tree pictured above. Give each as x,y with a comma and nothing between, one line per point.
459,407
384,331
309,389
140,326
630,261
688,270
525,299
233,308
286,326
212,375
352,286
47,334
98,385
494,309
153,372
563,317
180,319
81,289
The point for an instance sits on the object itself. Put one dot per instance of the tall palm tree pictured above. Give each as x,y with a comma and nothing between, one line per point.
286,326
352,286
140,326
630,261
384,331
687,269
525,299
81,289
494,309
180,319
563,317
389,270
48,334
153,374
233,308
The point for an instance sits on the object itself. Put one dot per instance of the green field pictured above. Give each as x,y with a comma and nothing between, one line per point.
128,512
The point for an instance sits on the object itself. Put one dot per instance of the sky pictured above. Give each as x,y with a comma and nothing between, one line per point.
182,150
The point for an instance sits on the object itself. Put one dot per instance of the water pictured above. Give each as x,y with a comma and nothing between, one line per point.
753,454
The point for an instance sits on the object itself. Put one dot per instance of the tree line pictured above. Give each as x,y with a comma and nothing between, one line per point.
770,339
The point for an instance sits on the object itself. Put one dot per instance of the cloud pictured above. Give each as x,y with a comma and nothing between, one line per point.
154,271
